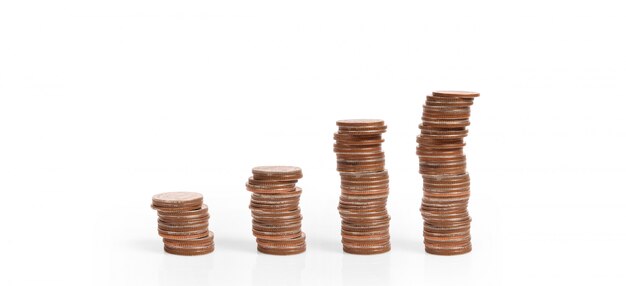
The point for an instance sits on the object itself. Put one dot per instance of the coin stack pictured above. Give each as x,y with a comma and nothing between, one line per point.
364,186
443,168
183,223
276,218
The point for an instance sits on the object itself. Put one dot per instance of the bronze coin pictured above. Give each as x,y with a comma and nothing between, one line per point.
276,170
285,235
270,189
375,161
459,94
447,241
281,183
358,142
189,252
275,185
191,247
266,213
365,176
285,242
447,103
360,123
282,251
425,153
374,168
448,253
275,201
290,178
442,108
447,178
184,220
367,130
360,156
295,194
340,148
429,130
353,137
183,228
183,235
364,240
366,192
183,223
202,210
201,240
177,199
176,209
447,99
368,250
362,132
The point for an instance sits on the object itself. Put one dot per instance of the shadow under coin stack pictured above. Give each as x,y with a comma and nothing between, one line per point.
364,186
276,218
443,168
183,223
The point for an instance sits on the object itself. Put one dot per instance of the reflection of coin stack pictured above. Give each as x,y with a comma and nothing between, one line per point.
183,223
276,218
442,165
364,186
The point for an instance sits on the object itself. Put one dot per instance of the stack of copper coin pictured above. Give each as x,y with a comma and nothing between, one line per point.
443,168
364,186
183,223
276,218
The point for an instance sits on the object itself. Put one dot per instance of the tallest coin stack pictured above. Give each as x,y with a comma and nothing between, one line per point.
364,186
443,168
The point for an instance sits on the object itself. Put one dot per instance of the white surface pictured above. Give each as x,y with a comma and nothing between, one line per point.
105,103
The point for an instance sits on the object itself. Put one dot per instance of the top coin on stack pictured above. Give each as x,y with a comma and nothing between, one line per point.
276,217
443,168
183,223
364,186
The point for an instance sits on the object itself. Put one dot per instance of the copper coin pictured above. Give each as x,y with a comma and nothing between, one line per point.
299,240
369,130
442,102
183,235
368,250
202,210
201,241
282,251
175,199
360,122
278,236
448,99
365,176
189,252
276,170
360,149
183,228
459,94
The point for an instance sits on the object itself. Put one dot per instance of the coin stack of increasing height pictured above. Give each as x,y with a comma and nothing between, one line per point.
276,218
183,223
364,186
443,168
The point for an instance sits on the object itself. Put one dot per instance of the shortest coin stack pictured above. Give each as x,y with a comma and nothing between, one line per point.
183,223
276,218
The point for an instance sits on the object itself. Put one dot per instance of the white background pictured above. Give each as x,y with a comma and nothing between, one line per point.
105,103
